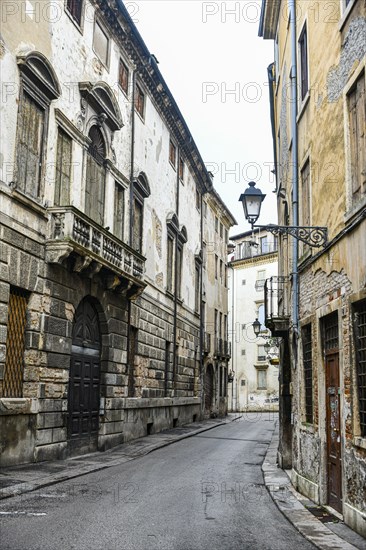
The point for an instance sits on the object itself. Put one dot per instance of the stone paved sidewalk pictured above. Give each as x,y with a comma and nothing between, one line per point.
17,480
332,536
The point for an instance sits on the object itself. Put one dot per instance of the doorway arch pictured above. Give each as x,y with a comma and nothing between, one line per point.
84,381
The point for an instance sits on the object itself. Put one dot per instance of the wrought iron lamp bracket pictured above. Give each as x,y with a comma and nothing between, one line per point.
312,236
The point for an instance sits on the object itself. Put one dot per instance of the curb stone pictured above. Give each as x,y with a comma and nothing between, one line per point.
288,500
122,452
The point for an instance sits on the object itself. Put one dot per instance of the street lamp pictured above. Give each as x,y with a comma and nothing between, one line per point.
256,327
252,199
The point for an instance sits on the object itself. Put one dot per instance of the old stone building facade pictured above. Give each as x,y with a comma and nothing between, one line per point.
101,203
254,369
216,345
317,85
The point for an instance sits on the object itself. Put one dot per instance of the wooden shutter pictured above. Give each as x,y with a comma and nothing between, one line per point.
63,169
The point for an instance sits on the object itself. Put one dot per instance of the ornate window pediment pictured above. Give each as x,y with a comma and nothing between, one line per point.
35,68
101,97
141,185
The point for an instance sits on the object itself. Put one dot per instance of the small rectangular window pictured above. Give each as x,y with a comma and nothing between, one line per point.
123,76
197,289
101,43
63,169
137,225
170,264
118,210
75,9
198,200
216,266
221,271
243,351
221,230
262,379
181,169
172,153
304,78
139,101
216,225
261,353
357,116
308,372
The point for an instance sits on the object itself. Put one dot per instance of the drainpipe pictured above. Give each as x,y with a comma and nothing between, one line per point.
233,340
201,316
295,182
175,354
271,80
132,159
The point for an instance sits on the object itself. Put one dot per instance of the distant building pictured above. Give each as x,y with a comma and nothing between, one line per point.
255,379
101,208
317,89
216,346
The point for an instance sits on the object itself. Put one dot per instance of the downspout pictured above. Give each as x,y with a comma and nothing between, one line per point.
132,159
175,354
201,362
295,184
131,221
271,80
233,338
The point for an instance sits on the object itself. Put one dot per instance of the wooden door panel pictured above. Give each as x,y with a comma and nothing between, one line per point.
334,457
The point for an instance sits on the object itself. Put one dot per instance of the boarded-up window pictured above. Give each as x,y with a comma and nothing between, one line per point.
75,7
118,210
123,76
63,169
304,80
31,122
101,43
95,176
15,344
137,225
357,124
139,101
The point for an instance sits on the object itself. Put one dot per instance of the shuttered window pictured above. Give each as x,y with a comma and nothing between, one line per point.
63,169
170,264
137,225
139,101
31,121
95,177
304,79
123,76
357,125
118,210
15,344
101,43
75,8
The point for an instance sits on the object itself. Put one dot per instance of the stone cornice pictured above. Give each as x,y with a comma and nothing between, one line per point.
256,260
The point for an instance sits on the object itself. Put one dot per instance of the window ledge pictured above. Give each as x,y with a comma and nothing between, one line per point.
307,427
303,106
74,22
360,442
29,202
18,405
355,209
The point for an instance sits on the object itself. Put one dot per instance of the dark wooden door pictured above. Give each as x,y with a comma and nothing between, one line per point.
333,432
209,388
83,398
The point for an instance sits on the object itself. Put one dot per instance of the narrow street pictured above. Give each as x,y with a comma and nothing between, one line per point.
203,493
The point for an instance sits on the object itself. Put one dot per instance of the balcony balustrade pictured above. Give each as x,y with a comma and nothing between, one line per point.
277,294
88,248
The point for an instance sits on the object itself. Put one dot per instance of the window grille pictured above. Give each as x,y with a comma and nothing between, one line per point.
330,326
360,345
308,372
15,343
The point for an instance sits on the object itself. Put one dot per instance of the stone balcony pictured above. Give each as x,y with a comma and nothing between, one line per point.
83,246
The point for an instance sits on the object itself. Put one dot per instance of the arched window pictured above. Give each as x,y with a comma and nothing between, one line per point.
95,176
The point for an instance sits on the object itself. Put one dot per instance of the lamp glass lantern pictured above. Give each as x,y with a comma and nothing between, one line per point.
256,327
251,200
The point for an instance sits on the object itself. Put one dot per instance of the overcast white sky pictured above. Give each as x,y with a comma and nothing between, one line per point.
205,51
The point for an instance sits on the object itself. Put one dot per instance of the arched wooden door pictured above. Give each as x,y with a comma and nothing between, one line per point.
209,388
84,382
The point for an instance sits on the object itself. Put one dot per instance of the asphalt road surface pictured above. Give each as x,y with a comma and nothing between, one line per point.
203,493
